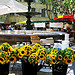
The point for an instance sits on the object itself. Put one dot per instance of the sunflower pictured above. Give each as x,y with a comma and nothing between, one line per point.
12,59
15,55
53,61
53,56
33,55
1,60
7,61
28,53
41,57
19,55
55,51
59,57
8,54
25,47
23,52
5,49
58,62
6,44
49,56
2,47
69,61
65,57
43,53
10,48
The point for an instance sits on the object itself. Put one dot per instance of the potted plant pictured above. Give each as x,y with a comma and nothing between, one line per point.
25,53
59,59
6,56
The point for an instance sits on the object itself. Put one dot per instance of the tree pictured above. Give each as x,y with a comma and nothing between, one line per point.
53,7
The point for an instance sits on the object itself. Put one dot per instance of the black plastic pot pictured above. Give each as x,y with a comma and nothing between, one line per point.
59,69
29,69
4,69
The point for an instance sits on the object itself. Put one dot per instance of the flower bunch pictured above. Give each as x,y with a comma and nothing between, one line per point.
6,54
38,54
55,56
36,47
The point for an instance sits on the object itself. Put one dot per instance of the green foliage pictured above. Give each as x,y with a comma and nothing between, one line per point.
68,5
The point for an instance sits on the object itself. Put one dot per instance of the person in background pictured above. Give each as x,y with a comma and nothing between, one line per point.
23,27
1,27
19,27
65,28
12,28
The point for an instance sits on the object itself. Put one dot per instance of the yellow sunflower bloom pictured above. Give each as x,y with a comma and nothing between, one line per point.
69,61
53,61
8,54
23,52
41,57
53,56
59,57
65,57
2,47
12,59
1,60
28,53
49,56
19,55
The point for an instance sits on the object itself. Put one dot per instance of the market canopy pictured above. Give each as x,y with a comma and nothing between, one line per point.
23,22
65,18
11,6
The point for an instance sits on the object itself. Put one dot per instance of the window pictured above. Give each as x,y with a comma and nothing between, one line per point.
11,14
32,9
43,13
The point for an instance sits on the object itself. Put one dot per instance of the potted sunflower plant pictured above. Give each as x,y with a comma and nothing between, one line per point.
30,56
6,56
59,59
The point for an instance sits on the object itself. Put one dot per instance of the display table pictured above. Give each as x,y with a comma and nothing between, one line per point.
24,36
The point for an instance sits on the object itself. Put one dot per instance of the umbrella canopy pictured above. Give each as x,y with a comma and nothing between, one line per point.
23,22
65,17
11,6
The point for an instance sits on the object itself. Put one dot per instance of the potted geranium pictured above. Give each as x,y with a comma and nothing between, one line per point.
59,59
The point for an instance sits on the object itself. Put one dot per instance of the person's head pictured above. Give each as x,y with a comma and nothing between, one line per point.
19,26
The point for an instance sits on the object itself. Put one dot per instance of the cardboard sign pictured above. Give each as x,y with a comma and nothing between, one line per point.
56,25
39,25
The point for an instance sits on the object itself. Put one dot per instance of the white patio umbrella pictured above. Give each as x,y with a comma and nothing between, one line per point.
11,6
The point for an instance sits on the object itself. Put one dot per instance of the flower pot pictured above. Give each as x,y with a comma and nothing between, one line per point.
29,69
59,69
4,69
